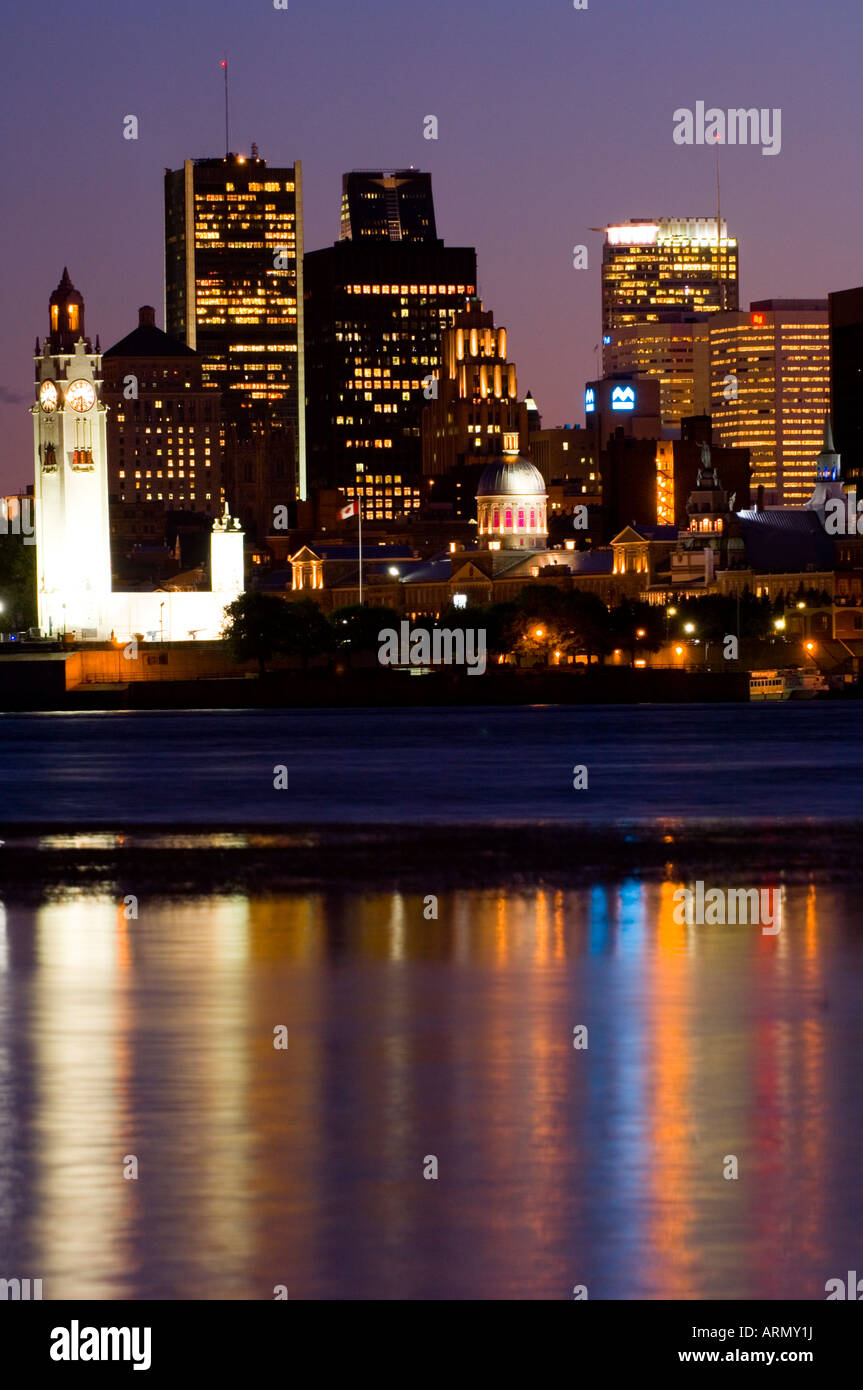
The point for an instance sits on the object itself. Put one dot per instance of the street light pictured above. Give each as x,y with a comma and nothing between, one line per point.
779,624
689,627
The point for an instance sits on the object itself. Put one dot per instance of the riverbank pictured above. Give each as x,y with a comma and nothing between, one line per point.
38,860
41,690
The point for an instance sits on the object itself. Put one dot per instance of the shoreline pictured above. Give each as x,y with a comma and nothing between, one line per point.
167,861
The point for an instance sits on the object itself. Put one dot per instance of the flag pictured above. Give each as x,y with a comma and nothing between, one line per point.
350,510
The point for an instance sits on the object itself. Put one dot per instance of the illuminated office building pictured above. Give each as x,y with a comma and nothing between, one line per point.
662,279
669,263
477,396
770,390
234,284
675,349
375,311
163,426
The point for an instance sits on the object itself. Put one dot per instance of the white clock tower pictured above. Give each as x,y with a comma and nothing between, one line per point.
71,467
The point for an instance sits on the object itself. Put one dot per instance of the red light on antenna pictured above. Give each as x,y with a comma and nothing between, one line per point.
224,65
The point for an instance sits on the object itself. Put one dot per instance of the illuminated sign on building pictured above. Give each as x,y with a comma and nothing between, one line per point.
758,320
639,234
623,398
590,399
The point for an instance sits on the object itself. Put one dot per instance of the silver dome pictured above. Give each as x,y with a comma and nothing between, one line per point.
511,477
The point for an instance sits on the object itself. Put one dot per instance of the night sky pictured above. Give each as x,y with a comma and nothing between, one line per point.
551,121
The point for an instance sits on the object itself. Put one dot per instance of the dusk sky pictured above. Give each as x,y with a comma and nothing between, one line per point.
551,121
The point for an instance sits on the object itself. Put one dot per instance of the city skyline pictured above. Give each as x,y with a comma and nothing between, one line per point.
358,102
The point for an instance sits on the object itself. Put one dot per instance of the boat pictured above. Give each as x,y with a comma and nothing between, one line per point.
790,684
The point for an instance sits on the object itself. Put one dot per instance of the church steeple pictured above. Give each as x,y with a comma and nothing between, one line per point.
66,316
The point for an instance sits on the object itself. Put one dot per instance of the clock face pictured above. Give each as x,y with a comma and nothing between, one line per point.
80,395
48,396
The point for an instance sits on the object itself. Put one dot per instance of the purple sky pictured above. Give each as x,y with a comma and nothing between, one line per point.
552,120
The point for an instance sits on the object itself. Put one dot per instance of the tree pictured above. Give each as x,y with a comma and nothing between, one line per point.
355,628
256,628
305,631
17,583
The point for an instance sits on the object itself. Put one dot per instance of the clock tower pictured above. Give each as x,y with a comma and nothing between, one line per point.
72,524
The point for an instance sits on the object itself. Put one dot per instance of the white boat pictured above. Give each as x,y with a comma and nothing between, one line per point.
791,684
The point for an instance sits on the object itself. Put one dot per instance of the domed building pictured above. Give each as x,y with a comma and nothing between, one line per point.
512,502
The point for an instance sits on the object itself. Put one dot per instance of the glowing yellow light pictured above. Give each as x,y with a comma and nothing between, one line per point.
679,651
810,646
640,632
779,624
539,632
689,627
672,612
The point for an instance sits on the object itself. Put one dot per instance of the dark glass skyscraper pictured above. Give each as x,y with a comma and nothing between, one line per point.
846,365
376,306
383,205
234,285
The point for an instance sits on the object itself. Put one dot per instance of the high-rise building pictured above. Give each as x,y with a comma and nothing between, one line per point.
626,404
662,279
234,284
675,348
163,425
846,359
475,395
381,205
666,263
375,311
770,390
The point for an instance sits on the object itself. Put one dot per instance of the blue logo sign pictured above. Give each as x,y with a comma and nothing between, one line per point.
623,398
606,339
590,399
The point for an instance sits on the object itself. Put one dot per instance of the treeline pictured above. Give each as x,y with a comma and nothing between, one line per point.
540,623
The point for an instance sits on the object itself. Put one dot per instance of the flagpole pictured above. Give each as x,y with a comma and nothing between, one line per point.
361,472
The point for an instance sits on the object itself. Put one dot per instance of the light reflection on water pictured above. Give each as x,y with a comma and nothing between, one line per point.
410,1037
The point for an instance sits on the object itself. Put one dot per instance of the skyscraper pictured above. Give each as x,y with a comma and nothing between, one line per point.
163,426
387,206
846,357
376,307
674,348
667,263
477,395
770,390
234,285
662,280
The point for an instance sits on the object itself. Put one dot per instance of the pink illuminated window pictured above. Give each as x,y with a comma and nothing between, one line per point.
508,518
532,519
496,522
521,518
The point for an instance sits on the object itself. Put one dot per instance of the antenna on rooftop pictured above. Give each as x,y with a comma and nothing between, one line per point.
227,141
